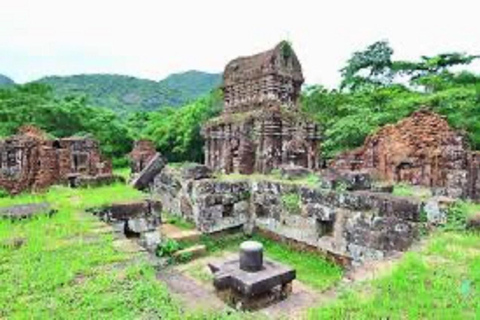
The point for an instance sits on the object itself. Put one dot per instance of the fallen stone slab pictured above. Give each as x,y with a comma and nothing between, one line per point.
196,171
23,211
152,169
141,215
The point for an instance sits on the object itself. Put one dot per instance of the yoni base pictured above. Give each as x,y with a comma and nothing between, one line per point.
239,301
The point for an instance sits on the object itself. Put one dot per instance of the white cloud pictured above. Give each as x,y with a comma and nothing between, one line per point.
154,38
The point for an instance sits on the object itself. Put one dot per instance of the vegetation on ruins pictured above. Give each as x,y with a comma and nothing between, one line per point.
66,266
291,202
375,90
35,104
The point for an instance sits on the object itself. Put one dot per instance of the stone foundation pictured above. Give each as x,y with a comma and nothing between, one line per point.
357,226
137,219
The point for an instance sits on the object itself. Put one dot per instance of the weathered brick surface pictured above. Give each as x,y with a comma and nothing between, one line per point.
30,161
143,151
421,150
261,127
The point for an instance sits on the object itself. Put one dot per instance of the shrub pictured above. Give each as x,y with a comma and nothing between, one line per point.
4,193
291,202
168,248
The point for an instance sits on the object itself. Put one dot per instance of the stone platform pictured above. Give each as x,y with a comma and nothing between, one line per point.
228,274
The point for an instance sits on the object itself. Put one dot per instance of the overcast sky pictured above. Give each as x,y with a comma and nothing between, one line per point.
151,39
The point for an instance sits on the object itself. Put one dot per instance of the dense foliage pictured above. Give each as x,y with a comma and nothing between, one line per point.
125,94
192,84
35,104
176,132
377,90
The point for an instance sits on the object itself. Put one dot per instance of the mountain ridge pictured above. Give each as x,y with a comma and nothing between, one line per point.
6,81
126,94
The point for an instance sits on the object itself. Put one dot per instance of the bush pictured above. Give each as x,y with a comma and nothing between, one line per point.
168,248
4,193
291,202
456,217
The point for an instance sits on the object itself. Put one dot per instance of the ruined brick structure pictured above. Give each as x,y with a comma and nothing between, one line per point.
29,160
261,127
421,150
143,151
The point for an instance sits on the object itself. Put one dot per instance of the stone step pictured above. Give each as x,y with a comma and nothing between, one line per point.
187,235
172,232
194,252
127,246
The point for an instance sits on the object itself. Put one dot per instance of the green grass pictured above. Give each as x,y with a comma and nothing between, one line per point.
123,172
177,221
292,203
406,190
470,208
66,271
312,269
180,165
442,281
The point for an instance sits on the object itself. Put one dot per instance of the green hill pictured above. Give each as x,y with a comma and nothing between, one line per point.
192,84
5,81
124,94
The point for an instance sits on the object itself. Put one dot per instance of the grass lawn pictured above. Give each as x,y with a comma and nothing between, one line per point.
66,271
442,281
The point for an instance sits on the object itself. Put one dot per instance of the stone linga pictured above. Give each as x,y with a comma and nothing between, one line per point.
250,281
261,127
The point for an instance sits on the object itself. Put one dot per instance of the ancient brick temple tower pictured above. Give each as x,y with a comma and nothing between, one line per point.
261,127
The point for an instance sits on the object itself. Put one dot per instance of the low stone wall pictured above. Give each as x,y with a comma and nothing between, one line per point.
360,225
97,181
138,219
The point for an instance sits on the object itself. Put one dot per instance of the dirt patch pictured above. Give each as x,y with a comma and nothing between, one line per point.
190,292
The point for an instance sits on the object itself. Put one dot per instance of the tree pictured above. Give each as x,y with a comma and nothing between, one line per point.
433,72
368,68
